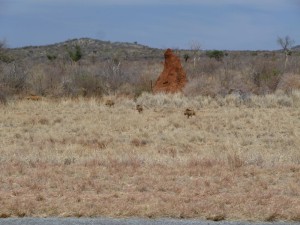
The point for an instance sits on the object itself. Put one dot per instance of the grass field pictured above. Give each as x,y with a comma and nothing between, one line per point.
235,160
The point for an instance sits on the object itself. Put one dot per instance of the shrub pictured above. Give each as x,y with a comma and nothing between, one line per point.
114,75
14,77
3,99
216,54
266,74
4,56
88,85
289,82
51,57
206,86
75,55
186,57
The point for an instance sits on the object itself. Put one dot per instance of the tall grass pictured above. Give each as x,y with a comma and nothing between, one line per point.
278,99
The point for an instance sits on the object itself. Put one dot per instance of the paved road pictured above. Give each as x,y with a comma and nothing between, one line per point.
107,221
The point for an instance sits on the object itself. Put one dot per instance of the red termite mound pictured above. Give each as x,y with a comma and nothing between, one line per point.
173,78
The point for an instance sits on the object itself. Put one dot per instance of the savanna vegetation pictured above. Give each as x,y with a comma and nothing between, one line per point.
68,153
87,67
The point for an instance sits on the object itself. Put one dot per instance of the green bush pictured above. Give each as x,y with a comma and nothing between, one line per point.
186,57
6,58
51,57
216,54
75,55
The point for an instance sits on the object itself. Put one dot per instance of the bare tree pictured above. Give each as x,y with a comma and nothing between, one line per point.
114,75
2,44
4,55
195,47
286,44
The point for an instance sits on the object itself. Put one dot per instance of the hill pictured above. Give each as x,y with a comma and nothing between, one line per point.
130,68
95,50
296,48
91,48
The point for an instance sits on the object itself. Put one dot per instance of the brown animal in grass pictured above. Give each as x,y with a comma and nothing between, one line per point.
110,103
34,97
189,112
139,108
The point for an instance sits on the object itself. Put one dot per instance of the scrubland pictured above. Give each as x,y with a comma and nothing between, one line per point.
238,158
68,154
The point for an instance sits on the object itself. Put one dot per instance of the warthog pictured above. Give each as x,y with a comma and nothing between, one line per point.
189,112
139,108
110,103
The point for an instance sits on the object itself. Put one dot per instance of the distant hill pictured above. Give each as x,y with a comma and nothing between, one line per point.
96,50
90,48
296,48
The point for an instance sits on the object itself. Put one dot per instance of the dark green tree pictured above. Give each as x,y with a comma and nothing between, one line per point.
186,57
51,57
4,56
216,54
75,55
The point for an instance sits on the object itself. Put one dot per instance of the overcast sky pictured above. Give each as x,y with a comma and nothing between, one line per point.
215,24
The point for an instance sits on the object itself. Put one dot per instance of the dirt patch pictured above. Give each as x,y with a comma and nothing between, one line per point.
173,78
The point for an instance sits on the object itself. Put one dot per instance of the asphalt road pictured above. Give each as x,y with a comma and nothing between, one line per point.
107,221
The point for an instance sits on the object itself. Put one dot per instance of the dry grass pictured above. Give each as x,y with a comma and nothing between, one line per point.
235,160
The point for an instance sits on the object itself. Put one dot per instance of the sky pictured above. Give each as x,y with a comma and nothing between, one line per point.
212,24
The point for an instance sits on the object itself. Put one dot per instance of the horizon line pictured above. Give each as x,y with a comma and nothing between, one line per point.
134,43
